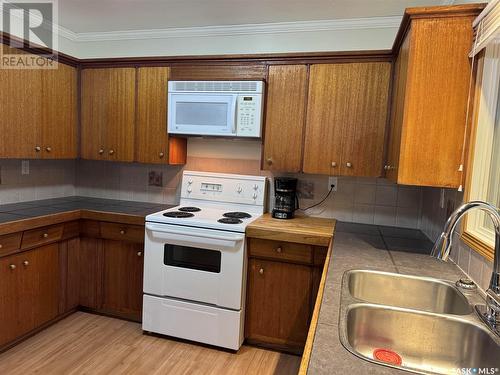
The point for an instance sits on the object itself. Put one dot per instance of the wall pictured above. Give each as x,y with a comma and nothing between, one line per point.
432,223
47,179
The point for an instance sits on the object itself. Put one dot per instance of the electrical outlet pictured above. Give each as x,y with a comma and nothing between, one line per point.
155,178
332,181
25,167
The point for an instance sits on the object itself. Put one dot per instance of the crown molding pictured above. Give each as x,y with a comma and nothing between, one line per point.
247,29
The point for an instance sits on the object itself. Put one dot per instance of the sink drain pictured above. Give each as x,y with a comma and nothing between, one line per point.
387,356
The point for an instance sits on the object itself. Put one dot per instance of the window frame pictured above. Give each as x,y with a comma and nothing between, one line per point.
486,95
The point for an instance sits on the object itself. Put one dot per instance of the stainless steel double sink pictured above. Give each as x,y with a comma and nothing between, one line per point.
425,325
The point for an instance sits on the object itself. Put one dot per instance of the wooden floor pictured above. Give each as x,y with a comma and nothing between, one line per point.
92,344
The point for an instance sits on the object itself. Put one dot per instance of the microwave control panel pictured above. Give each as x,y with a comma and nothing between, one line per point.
249,115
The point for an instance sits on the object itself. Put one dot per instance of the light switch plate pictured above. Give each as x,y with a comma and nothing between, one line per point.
305,189
25,167
155,178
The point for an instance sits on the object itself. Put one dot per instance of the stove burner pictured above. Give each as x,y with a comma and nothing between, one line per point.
189,209
229,220
237,215
178,214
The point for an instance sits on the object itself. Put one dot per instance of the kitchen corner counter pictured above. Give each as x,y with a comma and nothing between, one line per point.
359,246
28,215
301,229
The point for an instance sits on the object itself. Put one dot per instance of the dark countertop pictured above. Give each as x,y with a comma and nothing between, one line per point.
359,246
33,213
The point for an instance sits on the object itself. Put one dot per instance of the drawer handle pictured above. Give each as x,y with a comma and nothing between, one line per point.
26,263
1,245
261,271
279,249
139,253
45,235
12,266
122,232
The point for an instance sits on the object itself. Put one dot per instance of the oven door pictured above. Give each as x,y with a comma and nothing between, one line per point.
202,114
195,264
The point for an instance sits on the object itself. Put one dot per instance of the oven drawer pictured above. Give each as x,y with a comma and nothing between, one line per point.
10,243
122,232
41,236
191,321
287,251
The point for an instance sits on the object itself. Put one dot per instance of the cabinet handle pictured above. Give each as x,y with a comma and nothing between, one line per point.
386,167
279,249
111,152
1,245
26,263
389,167
348,165
12,266
261,271
161,155
38,148
334,164
45,235
122,232
101,151
139,253
269,161
48,149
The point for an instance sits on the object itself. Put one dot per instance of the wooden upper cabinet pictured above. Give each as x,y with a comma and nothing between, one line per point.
108,114
59,114
152,142
285,118
39,112
429,105
346,118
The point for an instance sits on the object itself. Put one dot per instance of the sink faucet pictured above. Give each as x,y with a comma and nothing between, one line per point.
442,247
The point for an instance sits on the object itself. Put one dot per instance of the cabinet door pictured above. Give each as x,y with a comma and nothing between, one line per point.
69,261
20,120
120,127
365,117
59,113
123,274
397,109
91,267
326,107
10,314
152,138
108,114
278,304
285,118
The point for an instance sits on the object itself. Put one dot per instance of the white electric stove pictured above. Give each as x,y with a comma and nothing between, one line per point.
195,259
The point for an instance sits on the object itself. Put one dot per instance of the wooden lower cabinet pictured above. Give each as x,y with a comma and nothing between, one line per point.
123,271
278,304
90,270
29,293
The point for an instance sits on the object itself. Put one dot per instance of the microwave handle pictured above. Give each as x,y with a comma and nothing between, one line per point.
235,108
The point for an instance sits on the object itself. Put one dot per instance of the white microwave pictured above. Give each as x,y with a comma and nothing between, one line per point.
216,108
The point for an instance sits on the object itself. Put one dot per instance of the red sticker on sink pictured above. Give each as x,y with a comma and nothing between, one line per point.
388,356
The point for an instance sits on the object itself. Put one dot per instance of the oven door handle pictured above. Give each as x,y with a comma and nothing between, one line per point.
226,237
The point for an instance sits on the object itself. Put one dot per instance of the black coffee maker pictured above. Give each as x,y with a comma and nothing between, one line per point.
286,201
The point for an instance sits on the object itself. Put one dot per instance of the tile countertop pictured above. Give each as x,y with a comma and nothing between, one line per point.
360,246
26,215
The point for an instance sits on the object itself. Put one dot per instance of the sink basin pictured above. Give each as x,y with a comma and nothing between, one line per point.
412,292
425,342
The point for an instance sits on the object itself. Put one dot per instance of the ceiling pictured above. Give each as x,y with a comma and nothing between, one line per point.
83,16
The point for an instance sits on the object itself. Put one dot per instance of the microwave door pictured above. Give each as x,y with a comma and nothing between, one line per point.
202,114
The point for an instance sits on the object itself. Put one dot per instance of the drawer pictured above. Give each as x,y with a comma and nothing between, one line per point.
41,236
288,251
10,243
71,230
123,232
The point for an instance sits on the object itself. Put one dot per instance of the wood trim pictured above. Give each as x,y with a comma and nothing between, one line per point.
306,356
464,10
477,245
35,49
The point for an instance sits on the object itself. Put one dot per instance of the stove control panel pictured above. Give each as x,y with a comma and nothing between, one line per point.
227,188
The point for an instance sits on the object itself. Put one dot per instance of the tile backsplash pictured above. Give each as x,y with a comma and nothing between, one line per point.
46,179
